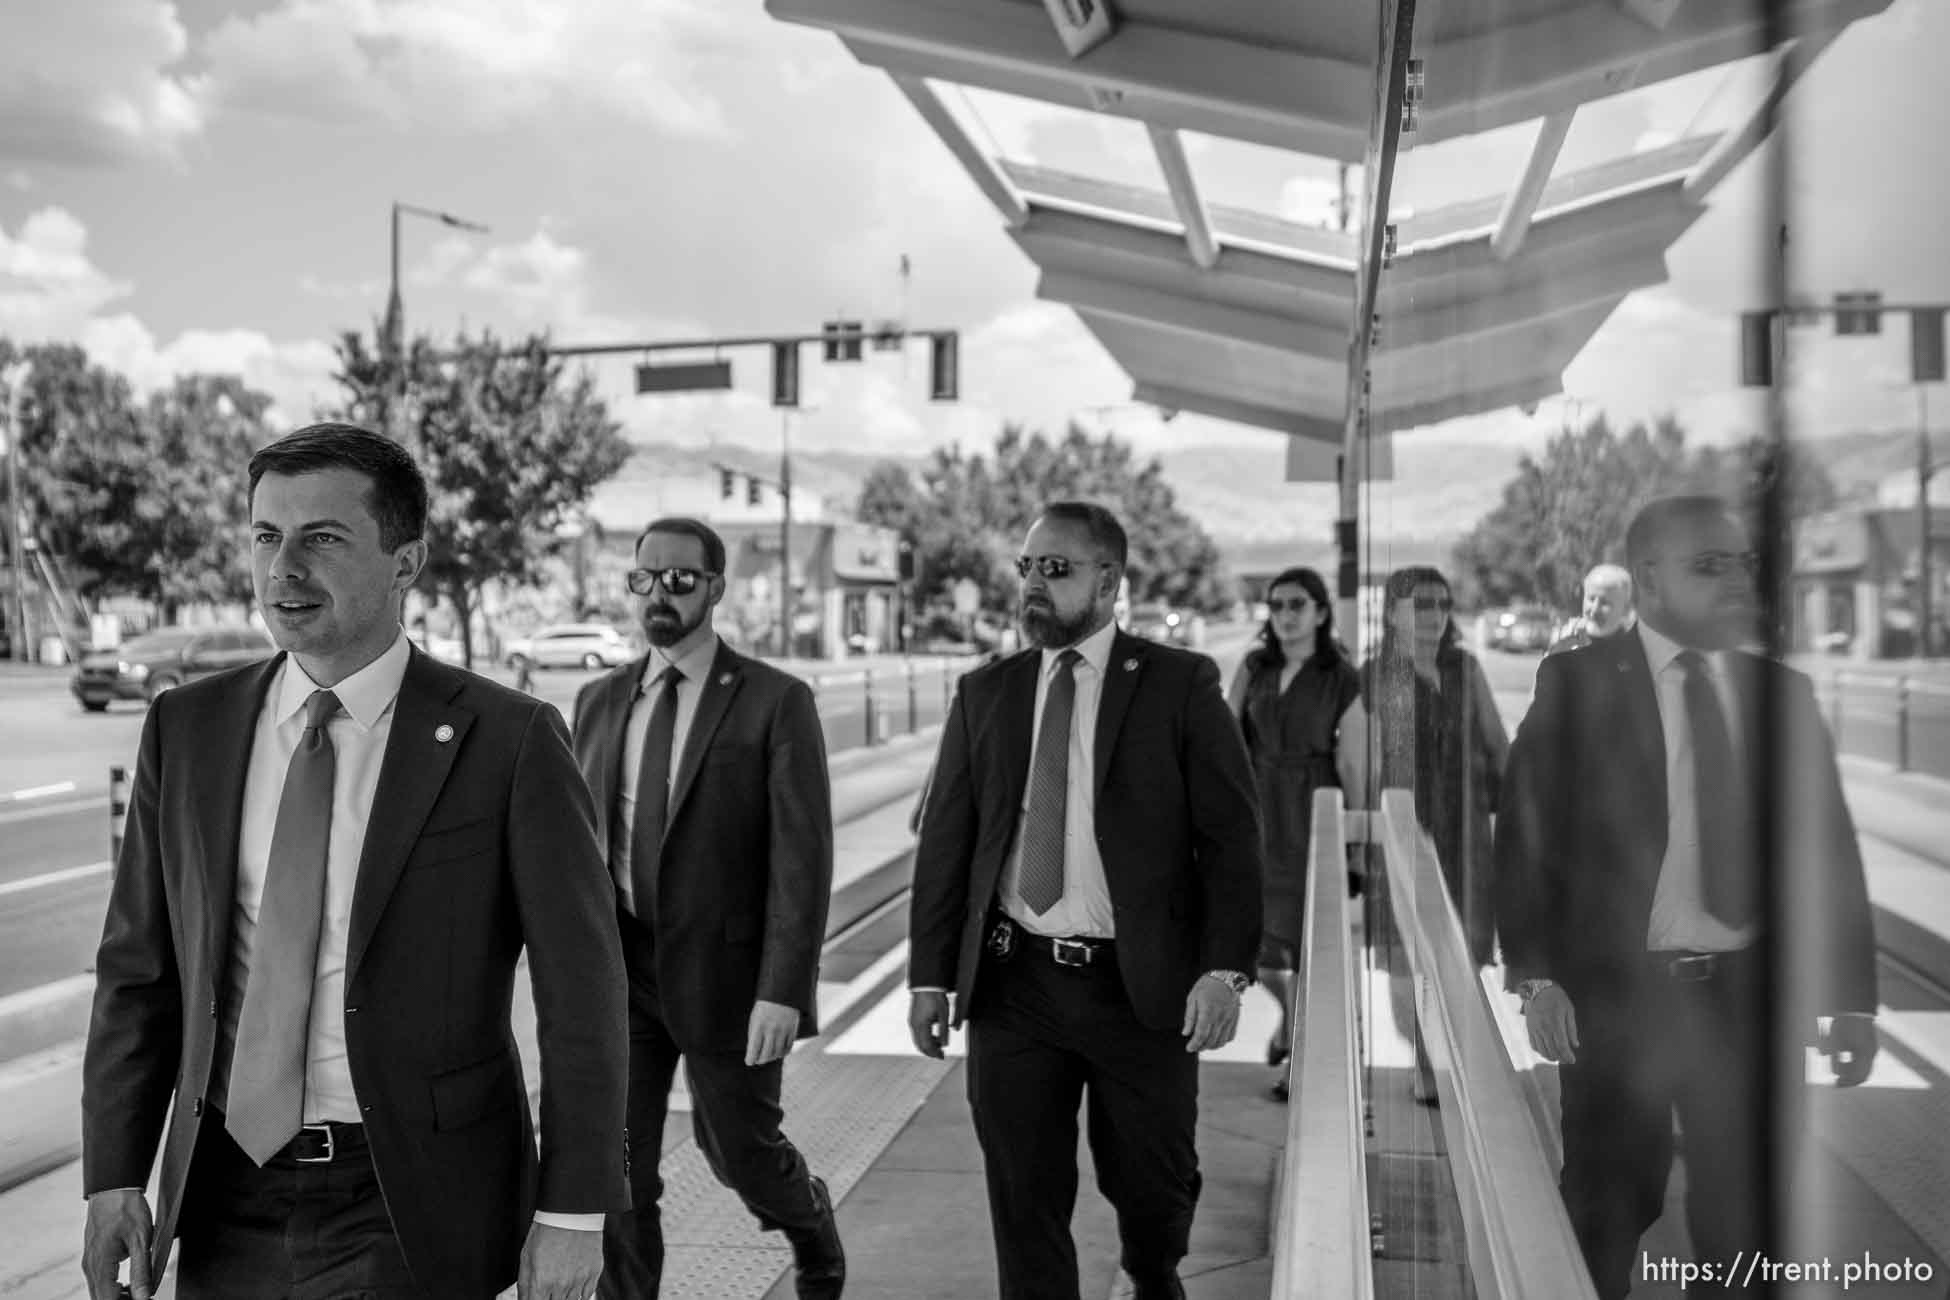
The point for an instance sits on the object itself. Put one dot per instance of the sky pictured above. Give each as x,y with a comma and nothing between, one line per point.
206,185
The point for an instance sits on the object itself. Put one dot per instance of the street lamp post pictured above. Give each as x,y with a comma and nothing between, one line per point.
395,325
785,533
1925,470
16,380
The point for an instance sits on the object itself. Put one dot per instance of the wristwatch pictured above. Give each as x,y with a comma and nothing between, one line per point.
1528,989
1232,979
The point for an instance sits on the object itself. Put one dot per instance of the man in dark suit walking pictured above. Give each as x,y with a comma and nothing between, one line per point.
710,771
1680,896
333,862
1088,886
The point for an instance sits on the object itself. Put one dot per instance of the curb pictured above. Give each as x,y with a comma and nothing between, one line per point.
36,1019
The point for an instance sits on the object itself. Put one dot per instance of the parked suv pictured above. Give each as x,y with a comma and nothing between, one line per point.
570,645
148,665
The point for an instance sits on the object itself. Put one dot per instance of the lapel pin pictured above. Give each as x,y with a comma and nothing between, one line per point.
443,733
1130,665
725,680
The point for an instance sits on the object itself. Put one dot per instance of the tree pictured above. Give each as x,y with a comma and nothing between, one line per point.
203,429
510,447
968,514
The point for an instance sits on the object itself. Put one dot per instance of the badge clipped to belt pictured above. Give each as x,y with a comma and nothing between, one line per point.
1002,939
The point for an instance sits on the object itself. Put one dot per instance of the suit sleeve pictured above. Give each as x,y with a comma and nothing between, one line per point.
1224,807
943,857
1827,897
1530,838
799,887
567,907
135,1033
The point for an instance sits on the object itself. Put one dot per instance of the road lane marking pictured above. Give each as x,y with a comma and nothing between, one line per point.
54,877
38,792
42,995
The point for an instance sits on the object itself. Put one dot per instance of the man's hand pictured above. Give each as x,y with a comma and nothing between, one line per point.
927,1022
1851,1047
560,1264
1552,1025
773,1027
1211,1015
119,1228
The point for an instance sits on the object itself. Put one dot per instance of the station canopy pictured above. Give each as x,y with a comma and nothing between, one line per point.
1239,307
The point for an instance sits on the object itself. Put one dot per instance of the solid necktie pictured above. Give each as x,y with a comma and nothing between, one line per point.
653,797
1719,790
1040,881
266,1102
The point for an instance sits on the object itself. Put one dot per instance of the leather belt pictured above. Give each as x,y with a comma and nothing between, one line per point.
321,1144
1695,967
1069,952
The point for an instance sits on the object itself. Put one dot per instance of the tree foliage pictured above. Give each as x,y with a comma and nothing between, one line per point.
144,499
966,515
1568,510
511,448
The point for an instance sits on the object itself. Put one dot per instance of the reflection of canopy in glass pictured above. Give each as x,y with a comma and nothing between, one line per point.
1241,311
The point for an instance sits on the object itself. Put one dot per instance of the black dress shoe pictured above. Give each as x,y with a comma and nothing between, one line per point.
1163,1286
819,1260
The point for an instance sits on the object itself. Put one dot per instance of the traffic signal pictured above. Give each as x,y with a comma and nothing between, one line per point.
1858,313
1926,345
753,493
785,374
727,484
944,366
1757,349
906,553
842,340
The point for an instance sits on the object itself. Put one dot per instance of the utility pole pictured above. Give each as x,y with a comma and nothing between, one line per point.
1925,470
16,377
785,533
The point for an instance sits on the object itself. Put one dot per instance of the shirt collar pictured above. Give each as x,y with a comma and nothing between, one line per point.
365,695
1661,650
1094,648
692,657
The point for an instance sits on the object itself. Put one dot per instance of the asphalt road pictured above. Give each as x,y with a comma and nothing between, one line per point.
54,843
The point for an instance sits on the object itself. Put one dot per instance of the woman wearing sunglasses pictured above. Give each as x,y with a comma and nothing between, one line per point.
1438,733
1298,701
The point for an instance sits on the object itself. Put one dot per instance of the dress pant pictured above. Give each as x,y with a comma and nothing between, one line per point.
1655,1045
1043,1040
289,1230
735,1117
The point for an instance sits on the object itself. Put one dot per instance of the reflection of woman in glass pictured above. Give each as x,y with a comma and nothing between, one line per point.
1439,735
1298,701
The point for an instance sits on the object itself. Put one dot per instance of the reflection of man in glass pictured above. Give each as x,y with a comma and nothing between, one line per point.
1680,896
1607,608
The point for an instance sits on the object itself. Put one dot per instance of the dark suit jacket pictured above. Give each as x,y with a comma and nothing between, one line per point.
1582,833
1177,825
479,847
747,869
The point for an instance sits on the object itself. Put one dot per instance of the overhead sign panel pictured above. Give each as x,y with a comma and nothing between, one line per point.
683,376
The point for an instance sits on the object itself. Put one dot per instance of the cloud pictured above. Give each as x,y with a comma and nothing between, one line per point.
51,291
90,82
476,64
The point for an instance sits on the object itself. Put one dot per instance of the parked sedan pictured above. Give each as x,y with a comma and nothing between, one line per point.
1522,627
148,665
570,645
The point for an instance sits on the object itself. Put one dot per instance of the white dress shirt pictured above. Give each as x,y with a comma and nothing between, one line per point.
1085,908
693,656
1679,916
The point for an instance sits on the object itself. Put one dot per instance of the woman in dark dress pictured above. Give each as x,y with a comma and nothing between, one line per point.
1438,733
1298,700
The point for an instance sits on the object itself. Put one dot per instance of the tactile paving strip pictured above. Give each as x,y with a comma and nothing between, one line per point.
841,1112
1894,1140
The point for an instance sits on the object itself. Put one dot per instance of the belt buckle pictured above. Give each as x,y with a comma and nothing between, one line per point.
1694,969
331,1145
1059,947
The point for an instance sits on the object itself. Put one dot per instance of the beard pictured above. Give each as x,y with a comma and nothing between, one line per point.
1046,629
665,625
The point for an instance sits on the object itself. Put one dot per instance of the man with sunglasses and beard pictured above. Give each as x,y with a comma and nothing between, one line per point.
709,774
1087,885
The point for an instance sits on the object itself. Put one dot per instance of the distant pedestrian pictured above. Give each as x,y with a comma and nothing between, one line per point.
1607,609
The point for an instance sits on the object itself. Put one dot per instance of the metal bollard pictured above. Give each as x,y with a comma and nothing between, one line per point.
1835,711
947,692
913,700
1902,723
118,809
873,729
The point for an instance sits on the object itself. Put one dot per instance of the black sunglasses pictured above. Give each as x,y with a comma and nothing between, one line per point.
1441,604
678,582
1054,567
1296,605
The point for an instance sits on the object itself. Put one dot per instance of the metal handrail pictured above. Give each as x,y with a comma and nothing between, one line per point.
1519,1238
1320,1239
